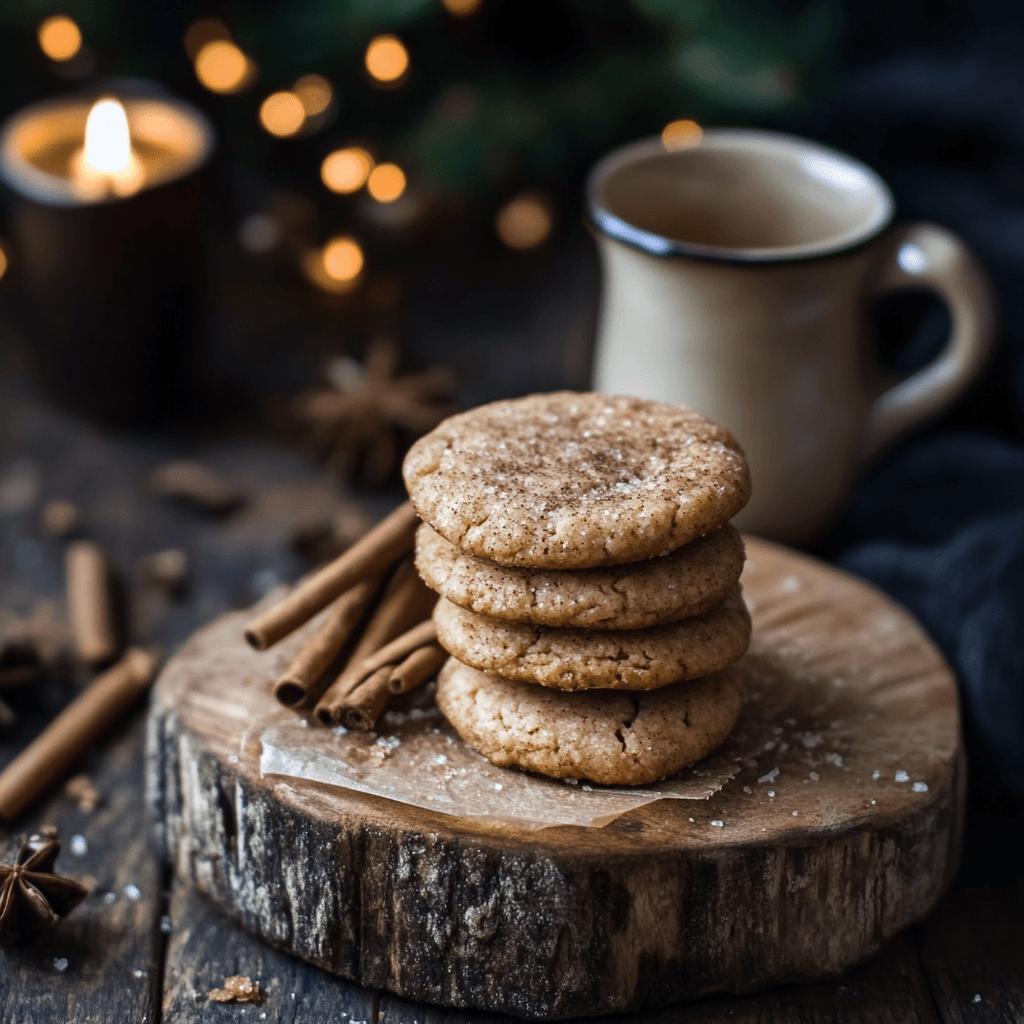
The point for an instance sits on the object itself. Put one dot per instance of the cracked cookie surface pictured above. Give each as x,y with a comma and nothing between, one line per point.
576,480
686,582
577,659
609,738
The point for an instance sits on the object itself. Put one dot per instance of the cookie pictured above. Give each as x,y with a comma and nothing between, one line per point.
686,582
578,659
611,738
572,481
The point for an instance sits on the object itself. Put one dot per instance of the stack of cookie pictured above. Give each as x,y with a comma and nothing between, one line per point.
589,581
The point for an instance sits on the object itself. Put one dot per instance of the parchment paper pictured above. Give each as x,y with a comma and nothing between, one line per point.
417,758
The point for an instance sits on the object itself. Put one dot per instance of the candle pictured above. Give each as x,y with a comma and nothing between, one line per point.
105,217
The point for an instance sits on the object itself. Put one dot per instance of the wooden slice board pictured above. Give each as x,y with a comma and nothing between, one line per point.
808,872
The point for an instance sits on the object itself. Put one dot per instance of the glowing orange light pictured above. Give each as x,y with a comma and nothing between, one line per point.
203,31
343,259
315,94
386,58
460,8
346,170
282,114
386,183
3,262
107,162
681,134
524,222
59,37
222,67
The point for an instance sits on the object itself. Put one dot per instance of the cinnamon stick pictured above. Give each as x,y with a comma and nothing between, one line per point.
371,555
406,602
364,705
392,653
45,760
302,682
420,666
90,598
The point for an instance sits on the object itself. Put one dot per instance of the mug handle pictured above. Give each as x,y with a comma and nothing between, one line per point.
928,256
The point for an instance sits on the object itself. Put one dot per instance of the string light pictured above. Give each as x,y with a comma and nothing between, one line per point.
681,134
315,94
386,183
346,170
524,222
343,258
282,114
460,8
60,38
386,59
203,31
222,67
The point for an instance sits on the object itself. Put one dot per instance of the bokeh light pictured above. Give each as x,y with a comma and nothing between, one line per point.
681,134
343,259
315,94
346,170
203,31
524,222
386,58
386,183
59,37
460,8
222,67
3,262
282,114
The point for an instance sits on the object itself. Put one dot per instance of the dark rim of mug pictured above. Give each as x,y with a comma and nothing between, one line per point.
606,222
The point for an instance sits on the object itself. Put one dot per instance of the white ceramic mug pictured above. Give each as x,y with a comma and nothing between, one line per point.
737,276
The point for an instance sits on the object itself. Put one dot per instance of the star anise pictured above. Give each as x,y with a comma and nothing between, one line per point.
32,897
362,420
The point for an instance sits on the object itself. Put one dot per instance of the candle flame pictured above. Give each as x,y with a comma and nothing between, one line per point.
108,143
107,162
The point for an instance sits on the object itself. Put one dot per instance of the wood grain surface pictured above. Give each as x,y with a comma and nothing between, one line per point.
812,870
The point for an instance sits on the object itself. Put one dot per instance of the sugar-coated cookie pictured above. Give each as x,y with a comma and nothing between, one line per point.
576,480
577,659
686,582
606,737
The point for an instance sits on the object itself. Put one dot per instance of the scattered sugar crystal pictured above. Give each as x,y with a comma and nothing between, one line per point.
815,776
139,973
79,846
770,745
977,997
835,759
165,924
133,892
233,759
389,742
717,824
747,789
770,776
771,792
874,801
876,775
110,897
796,814
691,819
60,963
498,786
920,787
901,776
439,759
339,730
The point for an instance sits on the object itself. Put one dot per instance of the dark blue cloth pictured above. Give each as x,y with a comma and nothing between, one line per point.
945,520
939,522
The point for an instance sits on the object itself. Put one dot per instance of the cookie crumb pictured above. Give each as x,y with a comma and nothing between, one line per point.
237,989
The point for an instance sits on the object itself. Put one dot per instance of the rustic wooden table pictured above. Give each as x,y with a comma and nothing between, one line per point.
145,948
